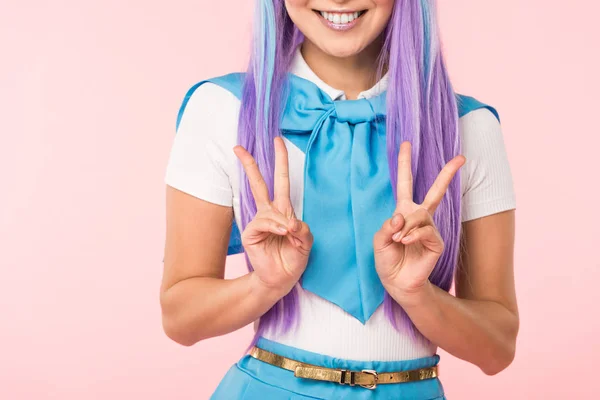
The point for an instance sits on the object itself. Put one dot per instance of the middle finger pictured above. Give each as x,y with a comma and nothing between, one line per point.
282,174
440,185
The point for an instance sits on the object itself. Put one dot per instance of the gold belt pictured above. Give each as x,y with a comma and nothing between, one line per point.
366,378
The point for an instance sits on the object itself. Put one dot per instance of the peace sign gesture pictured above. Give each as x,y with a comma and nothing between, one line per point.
275,241
408,245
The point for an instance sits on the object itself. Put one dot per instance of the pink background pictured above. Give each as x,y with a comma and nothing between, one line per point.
89,96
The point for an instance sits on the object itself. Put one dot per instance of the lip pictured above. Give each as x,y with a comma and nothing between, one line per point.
341,10
339,27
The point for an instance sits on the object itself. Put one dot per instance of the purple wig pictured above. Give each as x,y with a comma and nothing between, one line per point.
421,108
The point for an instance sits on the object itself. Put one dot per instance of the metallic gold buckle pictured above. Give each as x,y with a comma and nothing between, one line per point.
375,377
352,378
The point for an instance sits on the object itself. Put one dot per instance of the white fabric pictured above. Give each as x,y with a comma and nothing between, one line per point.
202,163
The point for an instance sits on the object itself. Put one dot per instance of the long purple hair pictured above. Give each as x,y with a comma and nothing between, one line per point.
421,108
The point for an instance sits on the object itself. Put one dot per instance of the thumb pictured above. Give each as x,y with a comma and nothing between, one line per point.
300,231
383,237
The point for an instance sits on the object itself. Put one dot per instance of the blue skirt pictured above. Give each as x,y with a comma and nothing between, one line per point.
252,379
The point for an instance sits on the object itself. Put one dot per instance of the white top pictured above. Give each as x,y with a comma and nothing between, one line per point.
202,163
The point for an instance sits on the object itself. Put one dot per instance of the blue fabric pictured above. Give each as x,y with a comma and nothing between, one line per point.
346,205
252,379
347,192
466,104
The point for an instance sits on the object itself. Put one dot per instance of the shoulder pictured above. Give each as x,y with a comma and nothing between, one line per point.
479,124
480,120
487,186
212,97
208,117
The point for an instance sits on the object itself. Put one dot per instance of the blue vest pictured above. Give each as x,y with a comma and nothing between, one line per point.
350,265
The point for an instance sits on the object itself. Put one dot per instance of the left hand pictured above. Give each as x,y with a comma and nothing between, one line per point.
408,245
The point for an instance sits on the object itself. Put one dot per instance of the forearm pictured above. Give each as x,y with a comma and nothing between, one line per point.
478,331
203,307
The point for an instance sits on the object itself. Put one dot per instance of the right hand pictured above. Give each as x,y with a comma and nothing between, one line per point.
275,241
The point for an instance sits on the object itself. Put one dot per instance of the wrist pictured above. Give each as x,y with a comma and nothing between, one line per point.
264,291
413,297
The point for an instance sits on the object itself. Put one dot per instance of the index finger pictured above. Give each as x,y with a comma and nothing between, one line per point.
404,183
257,182
440,185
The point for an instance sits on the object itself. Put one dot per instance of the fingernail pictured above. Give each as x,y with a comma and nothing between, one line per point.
407,238
281,229
397,235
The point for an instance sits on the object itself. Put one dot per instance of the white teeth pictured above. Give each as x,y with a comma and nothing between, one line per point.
340,18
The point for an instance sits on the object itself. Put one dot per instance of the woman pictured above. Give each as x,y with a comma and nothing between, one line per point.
347,138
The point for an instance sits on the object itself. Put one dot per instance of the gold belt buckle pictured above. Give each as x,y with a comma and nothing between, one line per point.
367,371
375,377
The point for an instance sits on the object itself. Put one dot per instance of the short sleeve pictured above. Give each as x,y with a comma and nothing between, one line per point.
197,163
487,179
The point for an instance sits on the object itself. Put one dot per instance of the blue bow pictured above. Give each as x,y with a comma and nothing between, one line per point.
347,191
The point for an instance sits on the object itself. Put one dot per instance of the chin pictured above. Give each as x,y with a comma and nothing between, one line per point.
341,49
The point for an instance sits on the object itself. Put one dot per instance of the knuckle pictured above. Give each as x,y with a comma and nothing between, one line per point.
305,231
430,229
389,226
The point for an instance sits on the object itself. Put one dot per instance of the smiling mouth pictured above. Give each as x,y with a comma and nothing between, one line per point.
340,18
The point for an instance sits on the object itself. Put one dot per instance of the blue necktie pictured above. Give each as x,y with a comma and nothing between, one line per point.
347,191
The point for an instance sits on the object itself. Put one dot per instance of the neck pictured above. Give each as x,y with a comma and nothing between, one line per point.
352,74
